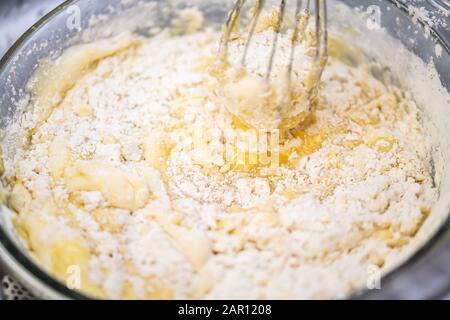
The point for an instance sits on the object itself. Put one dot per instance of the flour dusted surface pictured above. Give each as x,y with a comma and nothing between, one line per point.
132,168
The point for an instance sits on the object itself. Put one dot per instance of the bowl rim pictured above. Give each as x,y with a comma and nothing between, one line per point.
26,265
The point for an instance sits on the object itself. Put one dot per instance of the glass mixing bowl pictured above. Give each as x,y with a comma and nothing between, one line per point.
425,35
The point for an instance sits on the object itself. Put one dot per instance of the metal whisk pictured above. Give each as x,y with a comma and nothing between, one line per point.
304,12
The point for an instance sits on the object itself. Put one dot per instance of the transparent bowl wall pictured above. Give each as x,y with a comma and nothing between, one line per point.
58,30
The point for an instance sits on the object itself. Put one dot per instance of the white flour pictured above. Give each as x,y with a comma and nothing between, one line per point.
158,212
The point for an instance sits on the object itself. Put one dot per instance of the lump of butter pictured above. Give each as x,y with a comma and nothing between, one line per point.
19,199
53,79
120,189
194,244
60,158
